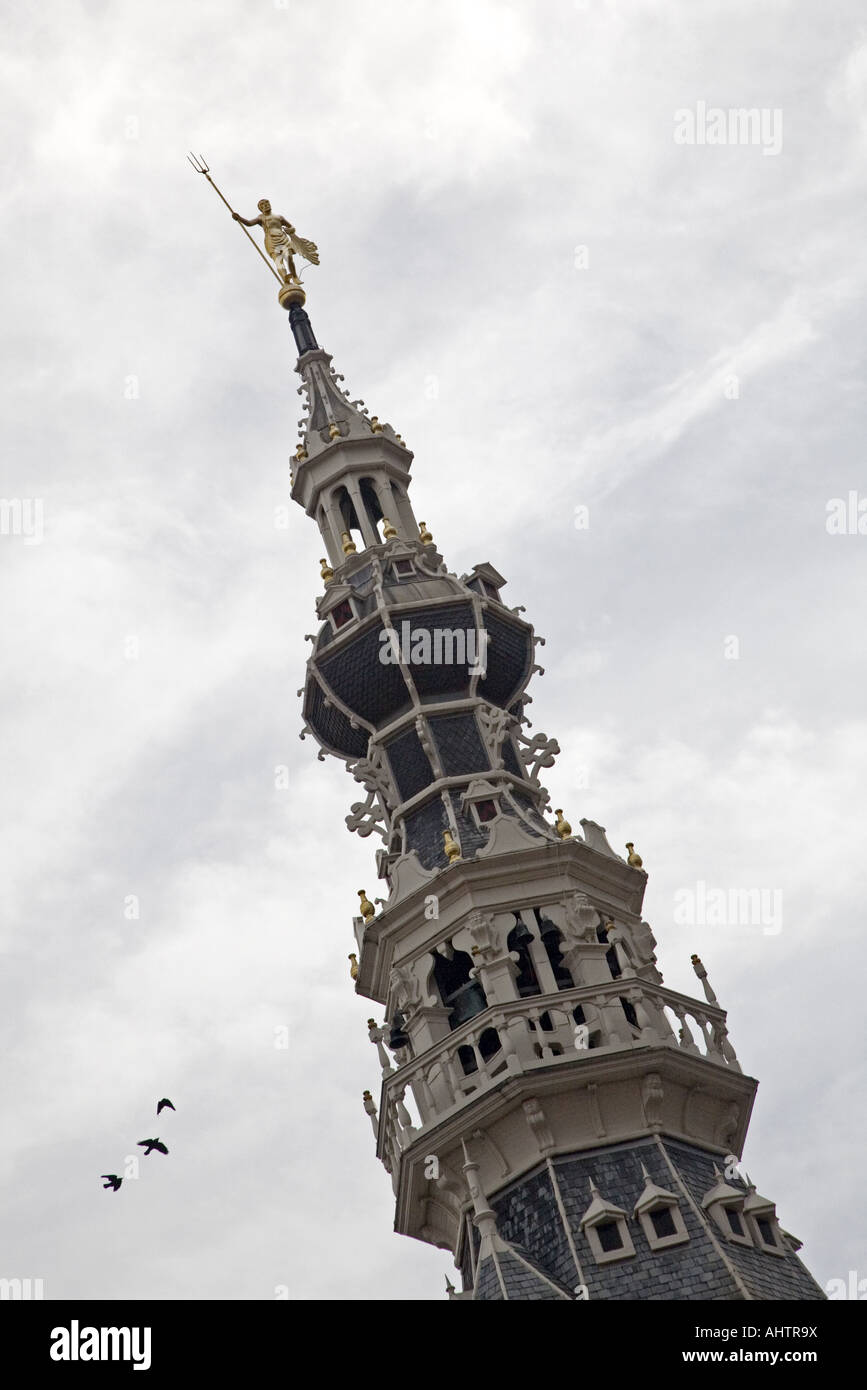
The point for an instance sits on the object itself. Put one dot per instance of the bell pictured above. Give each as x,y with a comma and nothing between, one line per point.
466,1002
398,1037
547,928
521,936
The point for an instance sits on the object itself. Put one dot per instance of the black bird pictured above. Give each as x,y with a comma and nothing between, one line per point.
163,1103
114,1181
148,1144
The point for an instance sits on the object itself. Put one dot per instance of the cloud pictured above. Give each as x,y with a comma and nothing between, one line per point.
447,162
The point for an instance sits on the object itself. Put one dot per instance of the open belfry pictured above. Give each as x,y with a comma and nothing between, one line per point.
549,1110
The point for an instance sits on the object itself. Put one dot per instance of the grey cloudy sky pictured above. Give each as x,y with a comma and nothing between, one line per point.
451,161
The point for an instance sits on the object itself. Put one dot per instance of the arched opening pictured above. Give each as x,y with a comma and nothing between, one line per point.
518,940
349,517
552,939
371,505
463,996
610,954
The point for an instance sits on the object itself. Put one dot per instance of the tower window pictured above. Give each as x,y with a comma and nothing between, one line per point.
609,1236
766,1230
342,613
486,810
663,1222
404,568
735,1223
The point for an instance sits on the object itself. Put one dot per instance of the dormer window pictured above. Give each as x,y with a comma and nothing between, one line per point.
481,798
766,1230
403,569
604,1225
725,1204
490,590
761,1216
658,1210
342,613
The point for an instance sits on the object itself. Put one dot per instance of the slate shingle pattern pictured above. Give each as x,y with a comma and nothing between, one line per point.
528,1218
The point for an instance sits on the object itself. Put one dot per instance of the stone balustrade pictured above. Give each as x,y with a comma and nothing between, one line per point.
542,1031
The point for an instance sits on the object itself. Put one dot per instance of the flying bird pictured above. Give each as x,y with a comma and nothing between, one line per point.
114,1181
149,1144
163,1103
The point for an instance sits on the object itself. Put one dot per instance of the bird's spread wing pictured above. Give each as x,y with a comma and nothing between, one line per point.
162,1148
305,248
163,1103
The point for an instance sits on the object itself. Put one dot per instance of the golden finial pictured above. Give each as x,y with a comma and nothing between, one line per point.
371,1023
452,849
367,909
562,826
353,965
326,572
632,858
610,926
348,543
375,425
300,453
387,529
333,430
399,438
366,1097
424,534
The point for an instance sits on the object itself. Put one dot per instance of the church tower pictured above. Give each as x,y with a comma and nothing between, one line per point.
549,1110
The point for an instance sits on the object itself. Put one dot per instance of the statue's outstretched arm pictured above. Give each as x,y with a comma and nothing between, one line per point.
247,221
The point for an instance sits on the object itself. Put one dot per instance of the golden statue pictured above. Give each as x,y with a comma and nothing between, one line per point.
281,240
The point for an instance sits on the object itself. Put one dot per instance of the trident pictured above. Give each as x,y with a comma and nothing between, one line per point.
202,168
